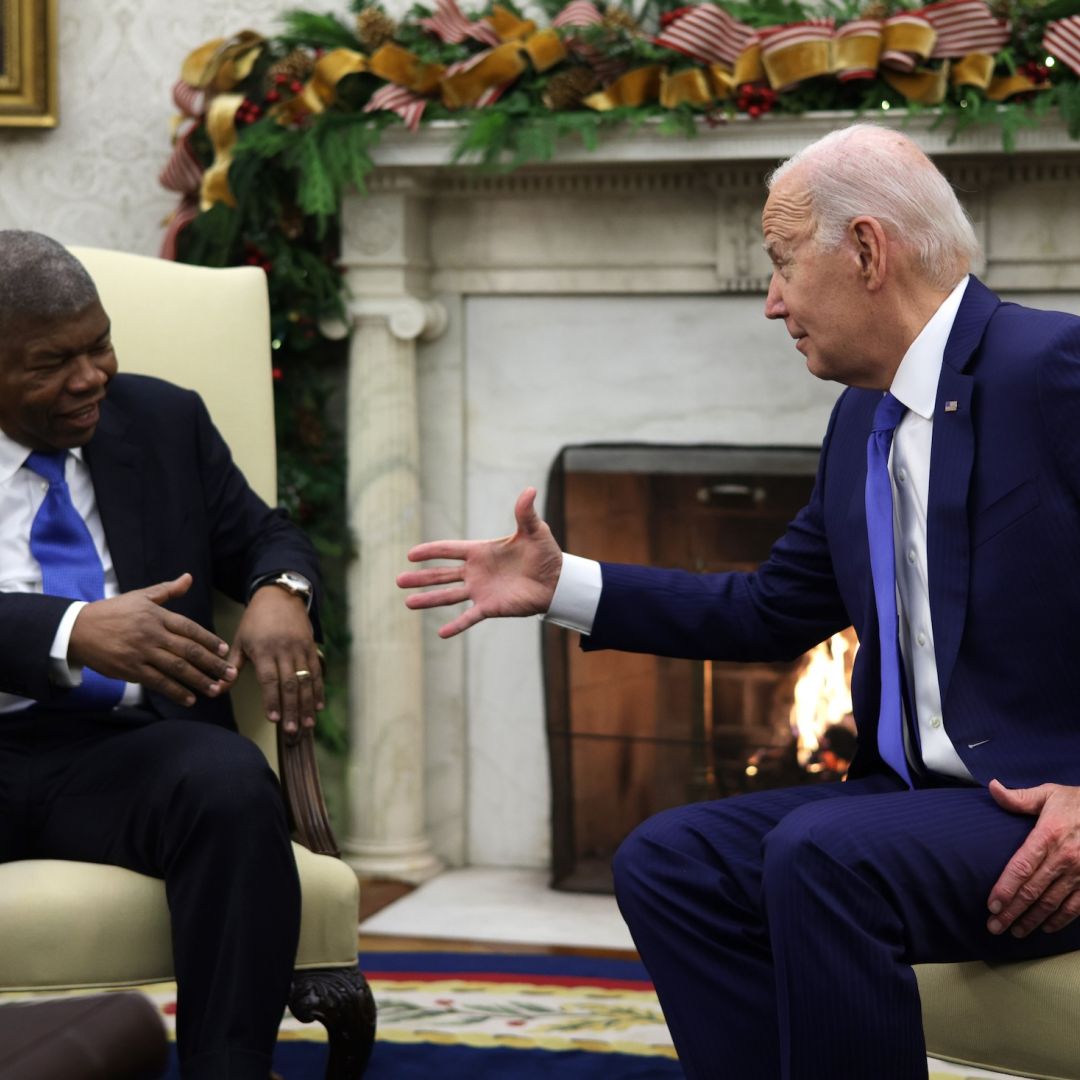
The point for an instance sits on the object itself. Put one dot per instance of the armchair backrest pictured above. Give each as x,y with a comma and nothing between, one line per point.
207,330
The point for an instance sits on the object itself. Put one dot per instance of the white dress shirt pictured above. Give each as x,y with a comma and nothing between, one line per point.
22,492
577,593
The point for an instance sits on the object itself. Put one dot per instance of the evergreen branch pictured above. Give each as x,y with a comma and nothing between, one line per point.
305,28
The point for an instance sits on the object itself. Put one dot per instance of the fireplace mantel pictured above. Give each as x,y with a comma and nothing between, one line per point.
607,295
769,138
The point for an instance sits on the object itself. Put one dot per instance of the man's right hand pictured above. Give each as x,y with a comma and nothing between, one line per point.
133,637
513,575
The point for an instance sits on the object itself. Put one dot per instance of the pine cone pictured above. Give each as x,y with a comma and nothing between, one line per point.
616,18
876,10
567,89
298,65
374,28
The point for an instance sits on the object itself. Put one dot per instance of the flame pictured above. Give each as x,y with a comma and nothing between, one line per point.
822,693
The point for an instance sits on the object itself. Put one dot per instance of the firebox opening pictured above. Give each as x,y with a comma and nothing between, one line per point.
630,735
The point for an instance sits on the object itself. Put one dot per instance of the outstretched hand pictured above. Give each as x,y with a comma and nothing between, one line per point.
1040,885
134,637
513,575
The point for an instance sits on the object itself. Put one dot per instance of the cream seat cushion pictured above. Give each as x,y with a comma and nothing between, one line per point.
1020,1018
50,943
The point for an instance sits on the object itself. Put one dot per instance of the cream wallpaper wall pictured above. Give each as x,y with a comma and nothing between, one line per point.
93,180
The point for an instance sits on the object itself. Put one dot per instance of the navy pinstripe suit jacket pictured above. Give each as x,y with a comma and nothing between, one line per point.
1003,547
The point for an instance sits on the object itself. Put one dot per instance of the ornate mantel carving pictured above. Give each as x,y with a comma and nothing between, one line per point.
643,215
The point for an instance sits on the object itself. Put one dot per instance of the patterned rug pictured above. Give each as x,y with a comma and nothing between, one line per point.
480,1016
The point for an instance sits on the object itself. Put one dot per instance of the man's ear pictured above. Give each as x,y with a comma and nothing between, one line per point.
871,249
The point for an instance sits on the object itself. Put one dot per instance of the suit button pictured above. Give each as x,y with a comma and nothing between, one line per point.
935,721
911,556
921,638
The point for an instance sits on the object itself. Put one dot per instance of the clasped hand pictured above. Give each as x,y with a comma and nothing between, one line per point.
134,637
511,575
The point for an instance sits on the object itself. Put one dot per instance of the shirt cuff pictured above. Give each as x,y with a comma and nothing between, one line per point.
577,594
61,673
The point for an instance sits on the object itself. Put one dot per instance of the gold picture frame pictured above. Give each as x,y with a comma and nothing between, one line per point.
28,62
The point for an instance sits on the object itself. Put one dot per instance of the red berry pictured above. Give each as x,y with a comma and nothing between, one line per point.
278,374
280,78
754,111
273,96
296,86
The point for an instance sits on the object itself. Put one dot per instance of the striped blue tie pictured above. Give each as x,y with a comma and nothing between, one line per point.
70,566
879,528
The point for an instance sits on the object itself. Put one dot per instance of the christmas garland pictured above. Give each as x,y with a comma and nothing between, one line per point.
273,130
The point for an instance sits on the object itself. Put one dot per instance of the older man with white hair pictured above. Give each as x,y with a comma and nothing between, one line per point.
781,927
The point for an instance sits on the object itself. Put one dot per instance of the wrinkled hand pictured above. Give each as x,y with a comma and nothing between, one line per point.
513,575
1040,885
275,635
134,638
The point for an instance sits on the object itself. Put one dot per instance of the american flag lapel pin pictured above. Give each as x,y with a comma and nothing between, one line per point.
950,406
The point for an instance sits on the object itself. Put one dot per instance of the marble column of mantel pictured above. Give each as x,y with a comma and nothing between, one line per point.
644,214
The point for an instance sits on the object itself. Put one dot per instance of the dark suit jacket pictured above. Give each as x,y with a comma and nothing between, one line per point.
1003,539
171,500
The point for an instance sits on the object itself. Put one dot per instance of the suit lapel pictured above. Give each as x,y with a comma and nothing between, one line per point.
948,549
118,488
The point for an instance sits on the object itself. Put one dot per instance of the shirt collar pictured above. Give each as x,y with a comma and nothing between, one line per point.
13,456
916,379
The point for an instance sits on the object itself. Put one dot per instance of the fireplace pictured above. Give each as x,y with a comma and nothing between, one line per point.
608,295
630,735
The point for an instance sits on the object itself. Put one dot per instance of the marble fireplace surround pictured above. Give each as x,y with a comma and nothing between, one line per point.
611,296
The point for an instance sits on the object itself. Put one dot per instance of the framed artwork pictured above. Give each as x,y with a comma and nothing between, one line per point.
28,63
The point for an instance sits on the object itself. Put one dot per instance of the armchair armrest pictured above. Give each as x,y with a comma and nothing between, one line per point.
303,792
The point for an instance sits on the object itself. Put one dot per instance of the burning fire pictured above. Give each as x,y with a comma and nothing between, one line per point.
822,694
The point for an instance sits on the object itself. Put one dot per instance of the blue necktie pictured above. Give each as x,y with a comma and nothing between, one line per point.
879,528
70,566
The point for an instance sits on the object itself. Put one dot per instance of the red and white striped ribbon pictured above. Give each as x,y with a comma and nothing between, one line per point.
774,38
184,215
578,13
182,172
965,26
450,23
1062,39
707,34
190,100
397,99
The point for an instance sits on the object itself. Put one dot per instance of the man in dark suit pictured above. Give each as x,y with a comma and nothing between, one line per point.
120,512
781,927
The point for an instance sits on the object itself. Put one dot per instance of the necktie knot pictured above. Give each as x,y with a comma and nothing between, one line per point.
49,466
887,414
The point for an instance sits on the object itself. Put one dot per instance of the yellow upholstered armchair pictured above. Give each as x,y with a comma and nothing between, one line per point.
68,925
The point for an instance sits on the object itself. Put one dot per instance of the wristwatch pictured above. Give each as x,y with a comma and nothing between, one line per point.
291,582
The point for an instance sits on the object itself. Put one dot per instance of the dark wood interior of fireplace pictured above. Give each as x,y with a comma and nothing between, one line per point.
629,735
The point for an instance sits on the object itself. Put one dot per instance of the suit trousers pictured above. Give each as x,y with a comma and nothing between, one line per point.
196,805
780,927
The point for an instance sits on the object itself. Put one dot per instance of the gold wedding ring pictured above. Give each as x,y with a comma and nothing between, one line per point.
302,674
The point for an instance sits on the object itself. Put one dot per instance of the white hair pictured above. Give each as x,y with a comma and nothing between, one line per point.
865,169
40,279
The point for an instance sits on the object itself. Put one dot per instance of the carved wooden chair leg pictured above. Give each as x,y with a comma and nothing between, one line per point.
340,999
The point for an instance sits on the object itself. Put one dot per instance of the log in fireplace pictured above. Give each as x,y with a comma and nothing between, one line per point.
630,735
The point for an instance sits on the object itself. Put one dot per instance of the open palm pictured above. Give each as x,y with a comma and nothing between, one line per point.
510,576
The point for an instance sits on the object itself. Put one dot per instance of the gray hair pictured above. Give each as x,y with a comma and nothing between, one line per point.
40,279
865,169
